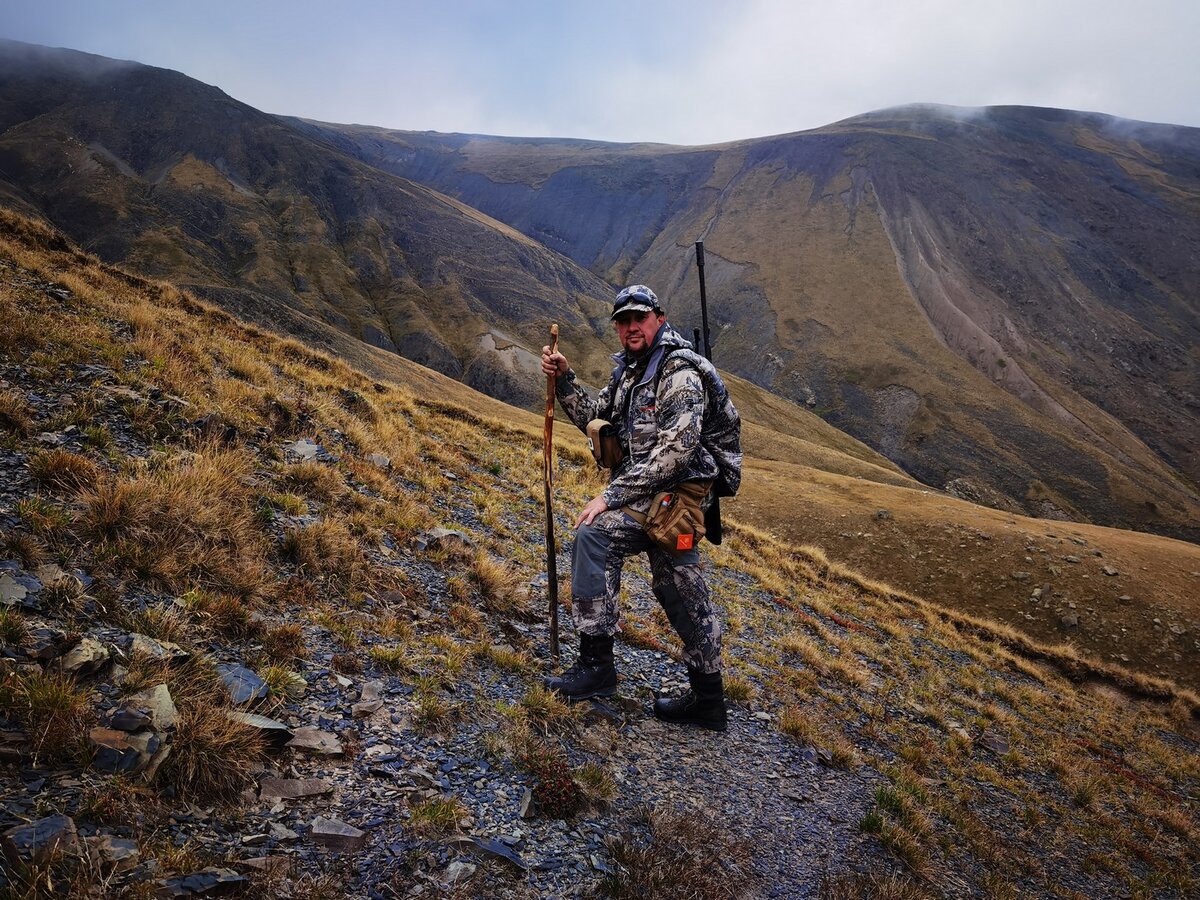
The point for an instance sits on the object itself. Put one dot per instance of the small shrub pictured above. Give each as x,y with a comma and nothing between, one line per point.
98,437
503,657
63,472
27,548
346,663
432,709
288,504
190,525
544,709
122,802
498,583
466,618
596,782
871,886
738,690
283,683
212,754
230,616
167,623
314,480
554,790
43,518
324,548
393,658
12,626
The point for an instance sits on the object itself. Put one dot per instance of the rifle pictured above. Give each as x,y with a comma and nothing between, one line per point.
712,518
548,477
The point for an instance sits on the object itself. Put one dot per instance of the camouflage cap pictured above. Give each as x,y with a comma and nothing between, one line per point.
635,298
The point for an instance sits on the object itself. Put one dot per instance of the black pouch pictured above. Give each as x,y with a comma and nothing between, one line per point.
604,443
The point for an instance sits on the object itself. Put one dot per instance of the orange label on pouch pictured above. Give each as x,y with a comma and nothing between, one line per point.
684,542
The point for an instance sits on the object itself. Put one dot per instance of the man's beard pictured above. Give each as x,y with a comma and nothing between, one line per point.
637,355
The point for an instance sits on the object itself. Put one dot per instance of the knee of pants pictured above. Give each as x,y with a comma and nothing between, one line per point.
587,561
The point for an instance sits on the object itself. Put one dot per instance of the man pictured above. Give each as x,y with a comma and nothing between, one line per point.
675,424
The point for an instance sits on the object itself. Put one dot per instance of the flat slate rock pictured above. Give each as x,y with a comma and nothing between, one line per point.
38,841
210,882
244,686
314,740
294,788
276,734
336,834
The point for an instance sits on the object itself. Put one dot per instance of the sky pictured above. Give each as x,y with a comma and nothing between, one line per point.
697,72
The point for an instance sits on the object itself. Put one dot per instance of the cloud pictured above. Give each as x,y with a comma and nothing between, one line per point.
650,70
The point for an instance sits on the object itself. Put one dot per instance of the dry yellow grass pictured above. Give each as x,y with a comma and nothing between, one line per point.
869,673
189,525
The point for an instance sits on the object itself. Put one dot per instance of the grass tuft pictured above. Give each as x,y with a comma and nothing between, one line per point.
55,712
677,855
212,755
63,472
437,815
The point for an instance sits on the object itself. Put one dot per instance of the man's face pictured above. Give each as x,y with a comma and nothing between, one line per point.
636,330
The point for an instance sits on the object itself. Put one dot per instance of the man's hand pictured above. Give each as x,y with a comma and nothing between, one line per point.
554,363
593,509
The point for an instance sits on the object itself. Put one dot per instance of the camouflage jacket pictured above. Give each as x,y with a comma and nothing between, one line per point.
674,419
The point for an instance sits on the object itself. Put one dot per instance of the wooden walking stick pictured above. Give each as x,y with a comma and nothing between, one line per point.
548,473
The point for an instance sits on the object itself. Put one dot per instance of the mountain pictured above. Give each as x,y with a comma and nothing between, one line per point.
1003,301
176,179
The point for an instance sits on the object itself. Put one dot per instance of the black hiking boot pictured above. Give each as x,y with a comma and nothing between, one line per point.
592,675
703,704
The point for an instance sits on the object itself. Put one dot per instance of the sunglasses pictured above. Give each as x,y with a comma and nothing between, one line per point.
633,298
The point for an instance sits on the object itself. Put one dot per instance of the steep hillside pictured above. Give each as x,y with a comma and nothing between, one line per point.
1000,301
172,177
275,627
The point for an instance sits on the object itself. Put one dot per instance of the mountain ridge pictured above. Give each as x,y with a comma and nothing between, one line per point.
983,334
846,276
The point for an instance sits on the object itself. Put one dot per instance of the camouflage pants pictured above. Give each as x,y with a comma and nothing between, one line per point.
596,563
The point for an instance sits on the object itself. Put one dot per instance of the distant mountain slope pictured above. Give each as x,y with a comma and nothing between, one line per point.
153,169
1007,296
